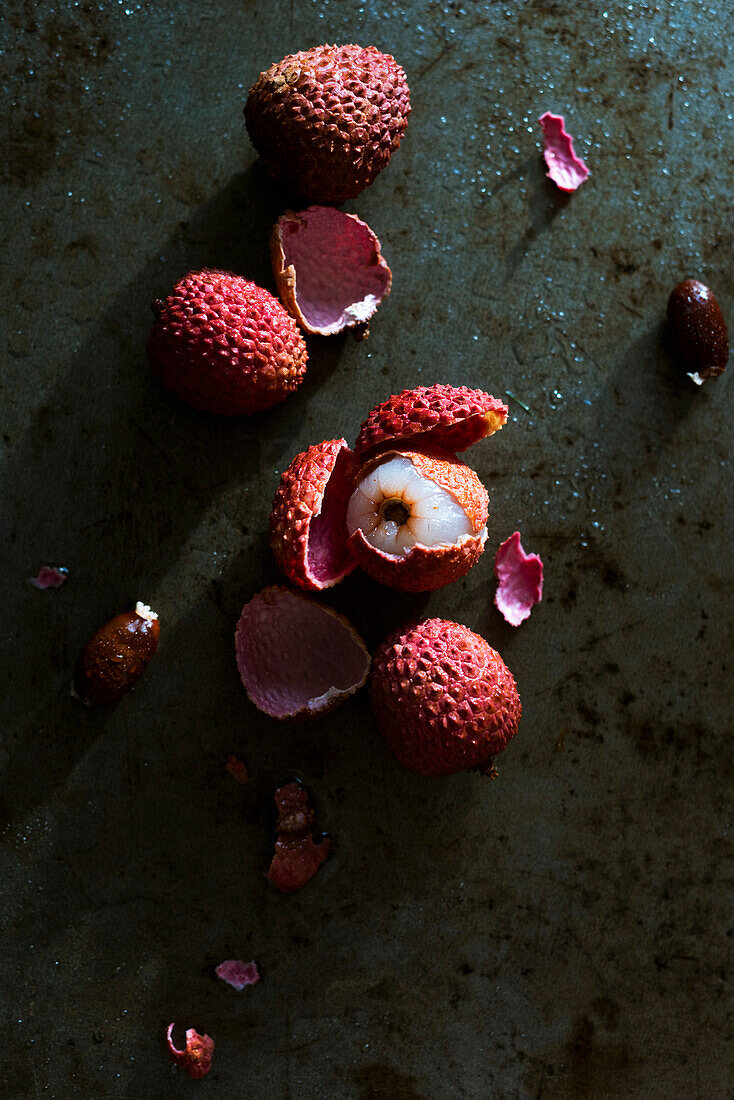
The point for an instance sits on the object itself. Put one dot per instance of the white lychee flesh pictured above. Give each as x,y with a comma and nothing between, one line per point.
396,509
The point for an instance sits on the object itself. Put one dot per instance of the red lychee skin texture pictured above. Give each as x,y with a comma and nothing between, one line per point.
327,120
450,417
299,499
425,569
225,345
444,700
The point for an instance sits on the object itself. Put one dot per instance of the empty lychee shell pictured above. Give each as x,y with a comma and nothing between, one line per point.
328,268
450,417
297,658
308,519
417,521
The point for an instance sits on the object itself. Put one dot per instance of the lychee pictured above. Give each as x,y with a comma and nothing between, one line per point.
450,417
297,658
308,522
417,520
329,270
444,700
327,120
225,345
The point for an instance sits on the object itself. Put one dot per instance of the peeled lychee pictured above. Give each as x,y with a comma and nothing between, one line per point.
450,417
444,700
327,120
225,345
297,658
329,270
308,522
417,520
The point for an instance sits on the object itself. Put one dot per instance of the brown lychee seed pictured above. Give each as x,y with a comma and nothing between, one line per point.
697,330
329,270
327,120
308,521
443,699
116,656
297,658
417,520
449,417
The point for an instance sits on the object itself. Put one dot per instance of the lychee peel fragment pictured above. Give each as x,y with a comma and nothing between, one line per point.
450,417
196,1058
327,120
425,567
565,169
520,578
225,345
308,532
238,974
329,270
297,658
443,699
297,856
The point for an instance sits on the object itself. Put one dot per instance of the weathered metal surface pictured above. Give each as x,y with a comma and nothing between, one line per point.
561,933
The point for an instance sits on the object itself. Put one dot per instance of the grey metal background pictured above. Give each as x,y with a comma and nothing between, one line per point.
563,932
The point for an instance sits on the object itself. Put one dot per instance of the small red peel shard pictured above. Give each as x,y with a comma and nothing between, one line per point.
520,577
565,169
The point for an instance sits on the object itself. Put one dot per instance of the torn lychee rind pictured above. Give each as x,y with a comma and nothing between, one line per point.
297,657
435,482
196,1057
329,270
520,580
567,170
450,417
308,519
443,699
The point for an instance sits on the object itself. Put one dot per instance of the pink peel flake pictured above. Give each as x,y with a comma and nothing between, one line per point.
238,974
49,576
237,768
196,1058
520,577
565,169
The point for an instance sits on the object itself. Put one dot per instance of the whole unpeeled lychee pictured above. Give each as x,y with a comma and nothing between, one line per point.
327,120
417,520
225,345
308,525
444,700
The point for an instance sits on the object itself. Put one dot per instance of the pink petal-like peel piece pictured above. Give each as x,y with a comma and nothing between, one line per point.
328,268
565,169
238,974
196,1058
49,576
520,577
297,658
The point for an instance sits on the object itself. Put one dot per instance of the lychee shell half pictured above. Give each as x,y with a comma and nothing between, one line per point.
450,417
327,120
443,699
297,658
308,527
329,269
225,345
425,567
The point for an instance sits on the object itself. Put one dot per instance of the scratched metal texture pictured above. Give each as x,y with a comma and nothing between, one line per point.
561,933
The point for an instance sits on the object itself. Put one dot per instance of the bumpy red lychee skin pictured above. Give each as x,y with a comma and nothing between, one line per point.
308,530
225,345
450,417
444,700
424,569
327,120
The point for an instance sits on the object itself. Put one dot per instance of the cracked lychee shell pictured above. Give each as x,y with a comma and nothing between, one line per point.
443,699
417,519
297,658
225,345
308,521
450,417
327,120
329,270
